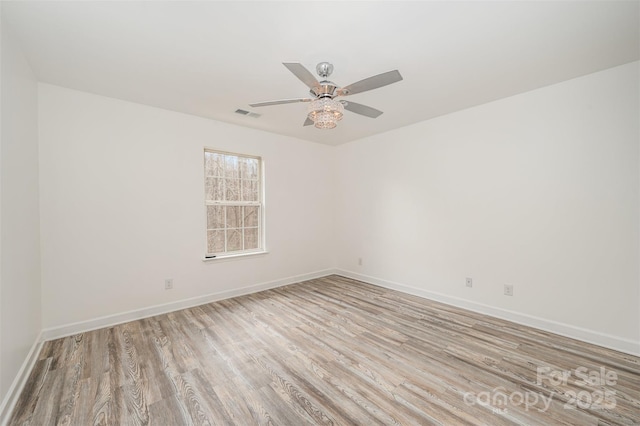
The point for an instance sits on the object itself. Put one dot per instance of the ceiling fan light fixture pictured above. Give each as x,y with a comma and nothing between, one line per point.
325,112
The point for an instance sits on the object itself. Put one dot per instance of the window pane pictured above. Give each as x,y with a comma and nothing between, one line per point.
251,216
250,238
233,189
234,220
231,167
248,168
215,241
214,164
214,189
215,217
249,190
234,239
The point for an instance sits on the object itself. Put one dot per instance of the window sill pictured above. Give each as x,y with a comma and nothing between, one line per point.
233,256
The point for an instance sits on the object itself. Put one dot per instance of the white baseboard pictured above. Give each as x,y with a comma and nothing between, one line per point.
10,399
589,336
115,319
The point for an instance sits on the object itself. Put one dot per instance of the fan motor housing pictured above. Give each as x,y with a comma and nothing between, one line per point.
325,89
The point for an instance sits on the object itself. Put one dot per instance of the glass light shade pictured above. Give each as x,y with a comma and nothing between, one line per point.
325,112
325,120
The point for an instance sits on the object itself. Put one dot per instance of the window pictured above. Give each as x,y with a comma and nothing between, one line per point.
233,202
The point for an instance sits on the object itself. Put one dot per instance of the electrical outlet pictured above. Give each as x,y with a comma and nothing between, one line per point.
168,283
469,282
508,290
360,261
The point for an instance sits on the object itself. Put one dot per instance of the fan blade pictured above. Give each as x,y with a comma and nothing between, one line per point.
302,73
281,101
361,109
371,83
308,122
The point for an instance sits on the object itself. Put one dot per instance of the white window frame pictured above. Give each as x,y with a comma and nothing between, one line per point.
261,249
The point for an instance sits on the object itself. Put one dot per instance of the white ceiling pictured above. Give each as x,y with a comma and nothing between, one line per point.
210,58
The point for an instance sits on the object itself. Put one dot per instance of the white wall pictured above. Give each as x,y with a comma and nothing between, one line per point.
540,190
122,189
19,231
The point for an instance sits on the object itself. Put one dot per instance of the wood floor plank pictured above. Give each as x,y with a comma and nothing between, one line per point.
101,399
70,393
46,410
168,411
33,389
328,351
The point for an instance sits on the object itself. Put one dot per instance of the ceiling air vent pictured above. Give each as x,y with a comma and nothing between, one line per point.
247,113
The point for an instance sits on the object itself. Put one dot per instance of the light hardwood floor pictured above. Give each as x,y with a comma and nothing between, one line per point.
326,351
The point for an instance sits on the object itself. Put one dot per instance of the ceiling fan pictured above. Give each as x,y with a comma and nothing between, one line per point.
324,111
